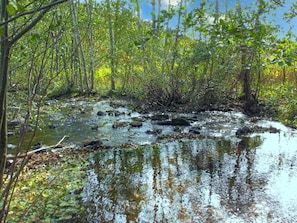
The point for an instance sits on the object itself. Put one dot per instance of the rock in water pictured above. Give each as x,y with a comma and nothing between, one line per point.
100,113
243,131
195,130
175,122
160,117
95,144
136,124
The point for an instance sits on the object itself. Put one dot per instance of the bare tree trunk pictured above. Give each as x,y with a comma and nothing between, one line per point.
250,102
226,7
159,10
4,60
91,44
174,73
75,42
238,7
112,47
153,16
79,55
217,12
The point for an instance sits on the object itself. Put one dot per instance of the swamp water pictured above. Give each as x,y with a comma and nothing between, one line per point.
217,178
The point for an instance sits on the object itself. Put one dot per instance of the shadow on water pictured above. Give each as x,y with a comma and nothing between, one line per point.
248,180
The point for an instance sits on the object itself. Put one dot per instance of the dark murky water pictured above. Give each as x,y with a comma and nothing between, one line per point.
220,178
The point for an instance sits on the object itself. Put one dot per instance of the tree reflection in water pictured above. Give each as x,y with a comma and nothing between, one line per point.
205,180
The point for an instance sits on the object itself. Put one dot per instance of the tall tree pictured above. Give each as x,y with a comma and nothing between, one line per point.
90,7
4,60
112,46
79,58
217,12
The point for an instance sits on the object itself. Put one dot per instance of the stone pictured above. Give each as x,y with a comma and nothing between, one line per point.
136,124
100,113
160,117
51,126
195,130
14,123
94,144
175,122
243,131
154,131
119,125
10,134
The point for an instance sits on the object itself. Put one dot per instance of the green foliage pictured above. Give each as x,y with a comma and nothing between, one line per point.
50,193
178,62
284,53
11,10
16,6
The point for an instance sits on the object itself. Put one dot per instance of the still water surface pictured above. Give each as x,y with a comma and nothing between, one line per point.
224,179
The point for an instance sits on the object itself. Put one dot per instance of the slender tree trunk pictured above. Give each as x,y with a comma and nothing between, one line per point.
112,47
217,12
79,55
250,102
3,131
4,61
174,73
159,9
153,16
226,7
91,45
75,42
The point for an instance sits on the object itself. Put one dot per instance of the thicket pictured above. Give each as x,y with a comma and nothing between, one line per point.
203,56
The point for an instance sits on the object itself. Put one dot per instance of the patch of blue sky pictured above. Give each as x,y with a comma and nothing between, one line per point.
275,17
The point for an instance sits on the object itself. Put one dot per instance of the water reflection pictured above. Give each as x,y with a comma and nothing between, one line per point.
196,181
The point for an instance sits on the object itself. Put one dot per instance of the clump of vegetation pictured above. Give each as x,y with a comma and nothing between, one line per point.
49,188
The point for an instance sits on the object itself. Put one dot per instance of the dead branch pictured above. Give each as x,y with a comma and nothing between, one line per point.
36,150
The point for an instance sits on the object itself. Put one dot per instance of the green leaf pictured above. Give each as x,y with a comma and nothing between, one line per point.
20,7
289,61
67,217
45,194
281,63
35,37
11,10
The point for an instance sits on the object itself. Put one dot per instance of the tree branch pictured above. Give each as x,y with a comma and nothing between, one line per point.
44,9
53,3
283,5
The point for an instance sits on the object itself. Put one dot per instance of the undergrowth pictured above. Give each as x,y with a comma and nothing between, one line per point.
282,99
50,188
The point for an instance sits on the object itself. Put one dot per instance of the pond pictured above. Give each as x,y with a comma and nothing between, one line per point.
144,177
